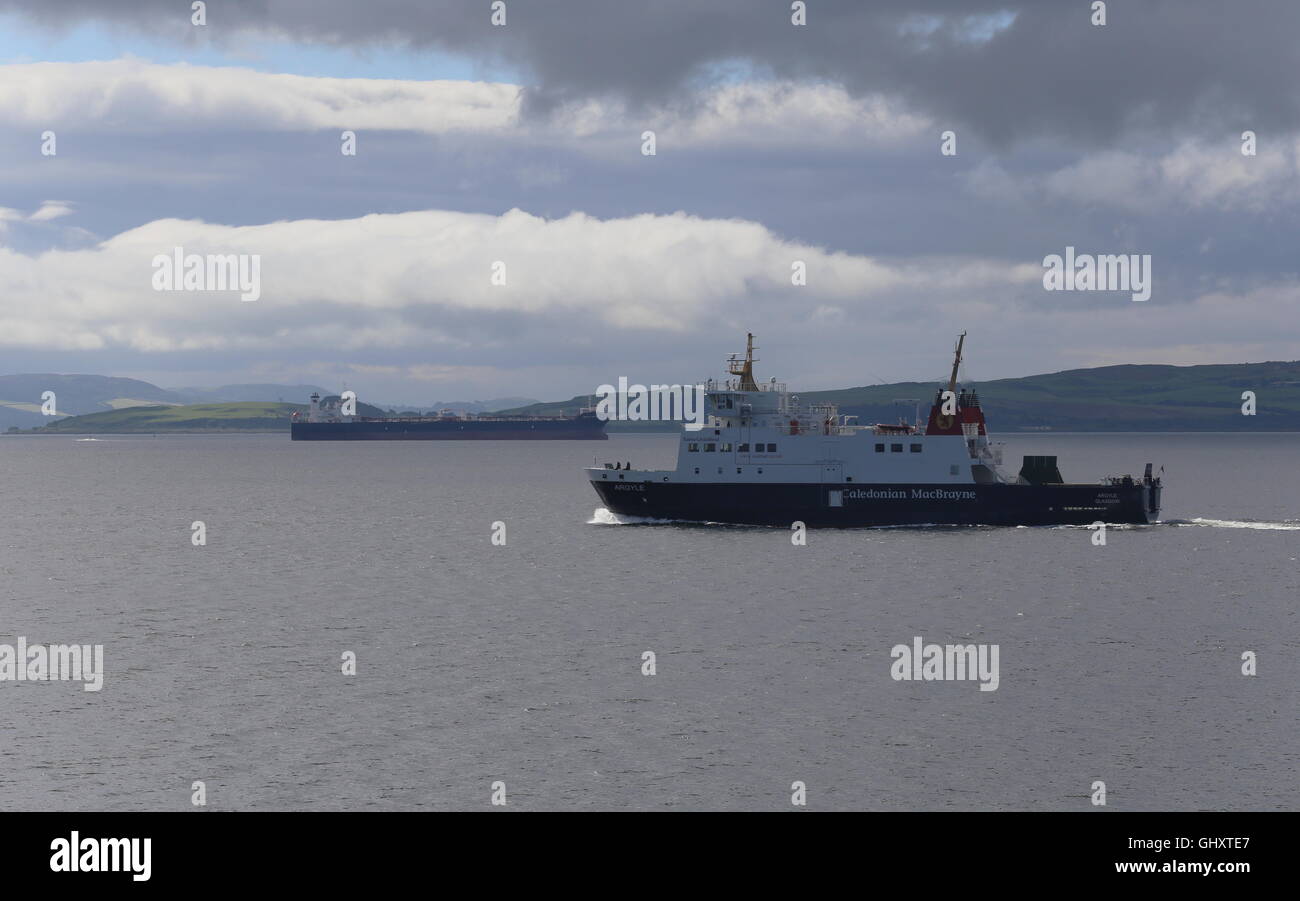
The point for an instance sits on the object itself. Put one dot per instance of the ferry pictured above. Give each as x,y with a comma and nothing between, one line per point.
764,457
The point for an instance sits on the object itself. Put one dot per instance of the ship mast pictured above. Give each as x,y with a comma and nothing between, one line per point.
952,381
744,369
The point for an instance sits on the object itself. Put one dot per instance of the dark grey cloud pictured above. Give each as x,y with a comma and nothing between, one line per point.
1160,64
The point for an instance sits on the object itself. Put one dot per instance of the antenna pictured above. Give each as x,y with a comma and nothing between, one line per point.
745,368
916,401
956,361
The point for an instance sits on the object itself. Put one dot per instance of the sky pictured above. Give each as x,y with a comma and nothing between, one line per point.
500,230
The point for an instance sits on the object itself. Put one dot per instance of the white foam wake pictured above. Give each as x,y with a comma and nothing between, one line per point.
1286,525
603,517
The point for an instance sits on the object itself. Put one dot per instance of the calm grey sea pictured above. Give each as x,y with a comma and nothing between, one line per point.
522,663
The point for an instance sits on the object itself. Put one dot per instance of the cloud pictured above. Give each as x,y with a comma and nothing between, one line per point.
132,96
51,209
1196,174
403,298
1008,69
405,280
778,143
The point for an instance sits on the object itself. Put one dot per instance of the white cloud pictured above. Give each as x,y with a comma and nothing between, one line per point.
1195,174
390,281
1219,175
51,209
135,96
130,95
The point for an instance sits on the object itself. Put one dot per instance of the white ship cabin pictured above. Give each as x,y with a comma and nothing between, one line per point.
757,432
329,409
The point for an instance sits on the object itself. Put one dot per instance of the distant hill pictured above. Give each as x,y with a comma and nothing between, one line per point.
241,416
20,396
481,406
75,395
1104,399
234,393
1129,398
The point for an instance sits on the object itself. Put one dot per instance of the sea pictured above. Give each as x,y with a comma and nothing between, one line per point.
348,636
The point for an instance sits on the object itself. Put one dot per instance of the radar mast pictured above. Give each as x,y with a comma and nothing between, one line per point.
744,368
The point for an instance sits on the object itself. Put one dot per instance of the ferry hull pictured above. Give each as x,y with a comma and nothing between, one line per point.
851,505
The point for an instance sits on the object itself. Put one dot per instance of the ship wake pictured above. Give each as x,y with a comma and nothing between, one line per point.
1284,525
603,517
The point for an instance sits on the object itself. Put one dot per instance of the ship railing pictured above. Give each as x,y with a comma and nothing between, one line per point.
817,427
712,385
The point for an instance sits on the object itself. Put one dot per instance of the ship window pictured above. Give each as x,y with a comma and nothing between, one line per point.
895,448
952,470
916,448
760,470
880,448
771,448
692,447
710,448
697,470
726,448
849,479
744,448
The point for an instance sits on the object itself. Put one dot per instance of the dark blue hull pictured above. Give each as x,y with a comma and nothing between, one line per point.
850,505
582,428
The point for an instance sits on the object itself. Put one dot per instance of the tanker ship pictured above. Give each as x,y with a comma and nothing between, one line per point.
763,457
325,422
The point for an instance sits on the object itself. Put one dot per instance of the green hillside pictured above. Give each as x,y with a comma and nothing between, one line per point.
1128,398
246,416
240,416
1106,399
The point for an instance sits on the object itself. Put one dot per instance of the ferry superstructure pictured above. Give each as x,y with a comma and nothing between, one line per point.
764,457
